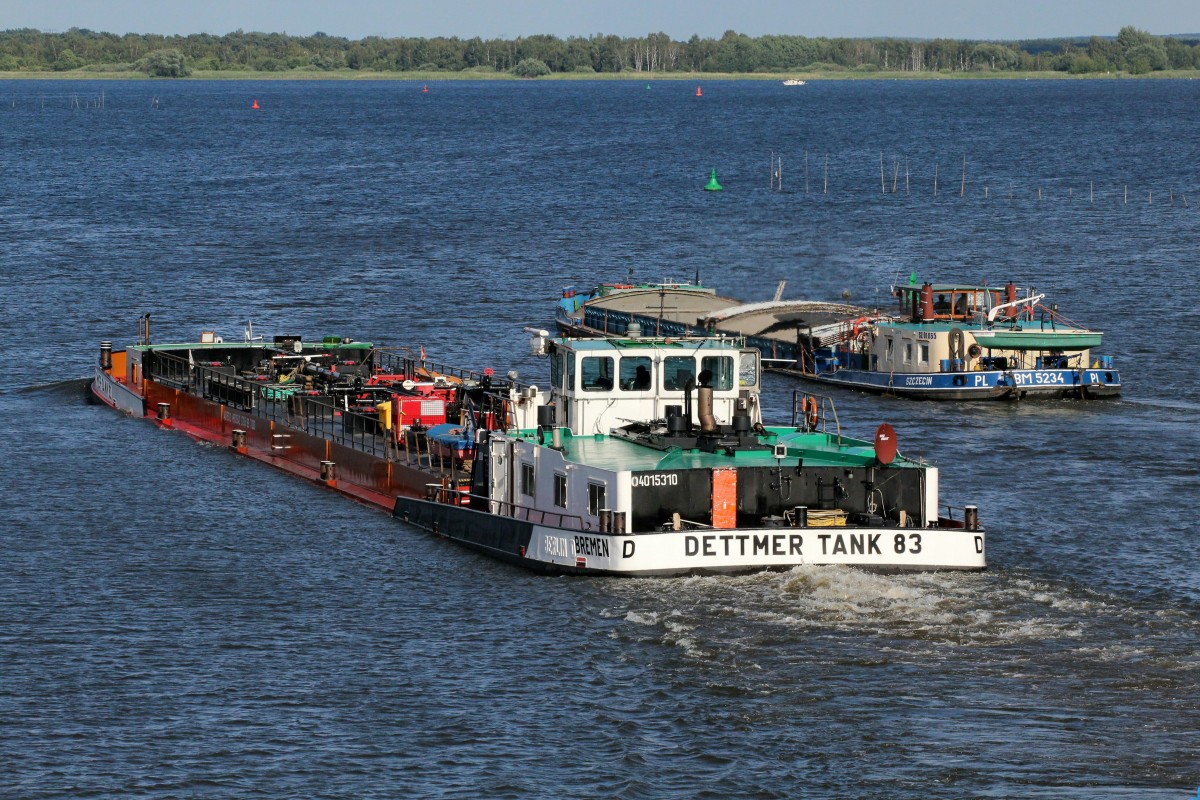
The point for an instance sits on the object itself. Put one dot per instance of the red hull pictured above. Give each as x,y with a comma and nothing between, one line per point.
360,475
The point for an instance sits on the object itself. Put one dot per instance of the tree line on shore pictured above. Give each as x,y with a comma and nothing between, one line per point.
1131,50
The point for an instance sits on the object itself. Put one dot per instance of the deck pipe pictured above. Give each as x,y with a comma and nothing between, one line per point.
971,518
927,302
327,375
106,355
704,409
545,421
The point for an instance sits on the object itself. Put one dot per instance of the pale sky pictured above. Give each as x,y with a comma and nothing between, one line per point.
679,19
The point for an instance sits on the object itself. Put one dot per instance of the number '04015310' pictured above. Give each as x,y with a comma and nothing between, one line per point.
669,479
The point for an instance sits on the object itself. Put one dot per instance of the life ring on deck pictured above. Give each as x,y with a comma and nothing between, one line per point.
974,350
812,412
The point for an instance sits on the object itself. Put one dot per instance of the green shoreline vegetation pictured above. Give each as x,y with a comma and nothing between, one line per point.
85,54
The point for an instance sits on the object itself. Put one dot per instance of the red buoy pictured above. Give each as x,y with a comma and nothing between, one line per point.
424,90
698,92
255,105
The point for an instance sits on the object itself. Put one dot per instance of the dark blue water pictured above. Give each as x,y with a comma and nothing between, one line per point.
177,622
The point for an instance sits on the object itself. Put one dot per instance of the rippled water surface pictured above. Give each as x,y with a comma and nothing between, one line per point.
177,622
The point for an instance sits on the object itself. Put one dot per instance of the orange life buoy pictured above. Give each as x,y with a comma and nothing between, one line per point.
812,412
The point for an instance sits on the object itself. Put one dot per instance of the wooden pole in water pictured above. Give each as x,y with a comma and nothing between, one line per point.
1039,193
806,172
895,173
1069,193
826,173
882,186
1091,191
1127,194
985,192
906,176
1151,197
963,190
935,169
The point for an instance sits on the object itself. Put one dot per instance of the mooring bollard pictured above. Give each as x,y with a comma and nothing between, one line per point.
106,355
801,513
328,471
164,411
239,440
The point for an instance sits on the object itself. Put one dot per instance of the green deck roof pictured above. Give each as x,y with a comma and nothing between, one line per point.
817,449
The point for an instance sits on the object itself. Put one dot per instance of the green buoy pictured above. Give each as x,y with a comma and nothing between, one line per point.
713,186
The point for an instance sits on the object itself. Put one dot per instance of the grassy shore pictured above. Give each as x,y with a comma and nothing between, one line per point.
467,75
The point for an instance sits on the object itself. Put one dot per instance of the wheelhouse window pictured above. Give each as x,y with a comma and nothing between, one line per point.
560,490
596,498
556,370
720,371
569,384
908,352
747,369
924,357
889,350
597,373
677,371
636,374
528,487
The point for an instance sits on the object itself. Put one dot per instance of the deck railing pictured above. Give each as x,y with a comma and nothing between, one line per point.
448,495
815,412
313,415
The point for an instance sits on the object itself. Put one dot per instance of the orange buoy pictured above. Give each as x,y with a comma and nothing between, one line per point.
698,92
255,104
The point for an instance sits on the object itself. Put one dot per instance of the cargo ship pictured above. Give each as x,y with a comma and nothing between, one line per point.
774,327
963,342
642,456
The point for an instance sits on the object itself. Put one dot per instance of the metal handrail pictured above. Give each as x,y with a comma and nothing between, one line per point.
825,409
446,495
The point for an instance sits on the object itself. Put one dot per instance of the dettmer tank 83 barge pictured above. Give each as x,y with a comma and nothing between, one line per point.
642,456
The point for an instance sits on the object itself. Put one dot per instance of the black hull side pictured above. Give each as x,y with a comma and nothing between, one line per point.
503,538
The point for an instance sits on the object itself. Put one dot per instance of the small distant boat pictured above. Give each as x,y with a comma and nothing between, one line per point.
963,342
793,82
